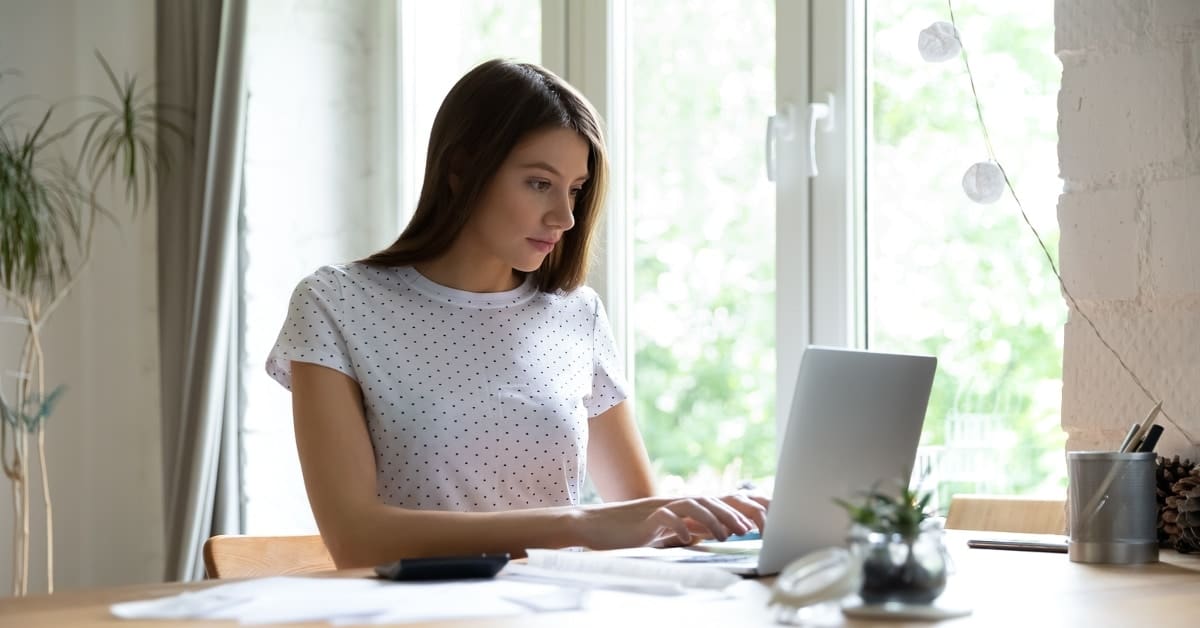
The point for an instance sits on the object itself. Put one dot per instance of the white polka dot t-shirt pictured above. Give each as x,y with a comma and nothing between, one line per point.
474,401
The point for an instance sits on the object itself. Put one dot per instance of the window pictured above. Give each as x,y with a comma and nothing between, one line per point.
963,281
715,278
876,245
702,216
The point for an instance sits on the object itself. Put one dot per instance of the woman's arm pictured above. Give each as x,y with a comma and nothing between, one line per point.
616,456
359,530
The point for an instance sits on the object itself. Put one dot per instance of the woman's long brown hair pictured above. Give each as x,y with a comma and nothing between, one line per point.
490,110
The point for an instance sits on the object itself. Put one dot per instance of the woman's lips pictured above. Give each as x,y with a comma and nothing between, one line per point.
542,246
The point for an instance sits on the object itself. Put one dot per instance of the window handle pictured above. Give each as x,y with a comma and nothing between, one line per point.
818,112
781,126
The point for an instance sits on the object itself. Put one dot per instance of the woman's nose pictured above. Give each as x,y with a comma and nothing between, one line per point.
562,215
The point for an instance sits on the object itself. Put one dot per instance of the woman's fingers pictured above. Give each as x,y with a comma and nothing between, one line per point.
687,520
664,518
735,521
752,507
701,513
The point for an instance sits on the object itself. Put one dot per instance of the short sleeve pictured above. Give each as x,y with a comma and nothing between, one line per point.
608,379
312,331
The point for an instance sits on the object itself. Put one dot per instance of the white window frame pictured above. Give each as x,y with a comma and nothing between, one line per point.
793,207
820,277
838,281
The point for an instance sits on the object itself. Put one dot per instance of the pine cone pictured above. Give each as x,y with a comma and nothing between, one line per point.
1167,474
1186,500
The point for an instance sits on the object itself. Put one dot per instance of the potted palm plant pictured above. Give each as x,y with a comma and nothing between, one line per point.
49,206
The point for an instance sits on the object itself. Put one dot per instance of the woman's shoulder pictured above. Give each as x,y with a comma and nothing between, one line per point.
583,297
344,273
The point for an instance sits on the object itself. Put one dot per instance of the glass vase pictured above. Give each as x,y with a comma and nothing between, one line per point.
898,568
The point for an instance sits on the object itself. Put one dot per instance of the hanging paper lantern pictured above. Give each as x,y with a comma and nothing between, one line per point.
984,182
939,42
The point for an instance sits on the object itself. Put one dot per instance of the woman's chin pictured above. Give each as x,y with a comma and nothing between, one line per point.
529,266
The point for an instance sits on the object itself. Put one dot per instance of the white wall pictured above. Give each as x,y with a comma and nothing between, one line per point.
1129,152
103,439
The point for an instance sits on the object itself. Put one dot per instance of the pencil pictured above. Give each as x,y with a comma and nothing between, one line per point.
1133,430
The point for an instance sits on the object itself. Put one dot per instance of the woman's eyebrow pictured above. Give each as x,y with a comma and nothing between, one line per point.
551,169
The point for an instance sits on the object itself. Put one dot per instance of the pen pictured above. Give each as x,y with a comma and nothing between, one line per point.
1151,439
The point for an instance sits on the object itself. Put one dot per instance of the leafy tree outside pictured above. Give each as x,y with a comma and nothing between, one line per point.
965,282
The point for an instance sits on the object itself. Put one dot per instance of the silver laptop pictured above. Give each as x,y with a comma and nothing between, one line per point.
856,419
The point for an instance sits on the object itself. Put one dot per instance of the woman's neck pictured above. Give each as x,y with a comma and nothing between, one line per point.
467,275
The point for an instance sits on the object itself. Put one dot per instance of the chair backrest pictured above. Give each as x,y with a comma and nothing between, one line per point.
1001,513
231,556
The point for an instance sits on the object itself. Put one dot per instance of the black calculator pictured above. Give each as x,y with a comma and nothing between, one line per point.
444,567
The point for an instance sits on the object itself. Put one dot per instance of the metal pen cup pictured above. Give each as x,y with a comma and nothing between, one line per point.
1112,511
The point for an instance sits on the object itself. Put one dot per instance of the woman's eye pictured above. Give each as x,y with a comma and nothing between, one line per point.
575,192
540,185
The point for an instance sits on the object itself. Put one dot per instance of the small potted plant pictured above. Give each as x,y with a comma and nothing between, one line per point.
899,543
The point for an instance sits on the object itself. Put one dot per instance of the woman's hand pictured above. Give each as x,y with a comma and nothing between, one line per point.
660,520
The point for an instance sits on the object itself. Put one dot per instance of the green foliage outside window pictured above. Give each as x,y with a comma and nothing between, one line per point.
702,77
946,277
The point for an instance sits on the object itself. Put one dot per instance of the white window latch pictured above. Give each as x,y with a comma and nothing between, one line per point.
782,127
818,112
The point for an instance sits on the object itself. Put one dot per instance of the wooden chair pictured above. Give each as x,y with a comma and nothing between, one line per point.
232,556
1002,513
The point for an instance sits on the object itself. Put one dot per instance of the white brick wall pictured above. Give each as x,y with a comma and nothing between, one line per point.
1129,152
1108,126
1122,22
1098,246
1174,229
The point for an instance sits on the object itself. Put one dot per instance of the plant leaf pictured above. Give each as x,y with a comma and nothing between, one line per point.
46,406
6,413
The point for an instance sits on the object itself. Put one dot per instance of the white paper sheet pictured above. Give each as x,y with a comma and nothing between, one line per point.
351,600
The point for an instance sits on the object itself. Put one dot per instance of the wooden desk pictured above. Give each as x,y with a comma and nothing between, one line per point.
1006,588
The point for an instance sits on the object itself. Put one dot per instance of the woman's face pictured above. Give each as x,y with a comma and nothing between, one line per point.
529,203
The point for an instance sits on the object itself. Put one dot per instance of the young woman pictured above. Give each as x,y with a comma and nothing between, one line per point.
450,391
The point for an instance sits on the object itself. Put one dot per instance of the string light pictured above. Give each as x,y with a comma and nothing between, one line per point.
984,182
939,42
